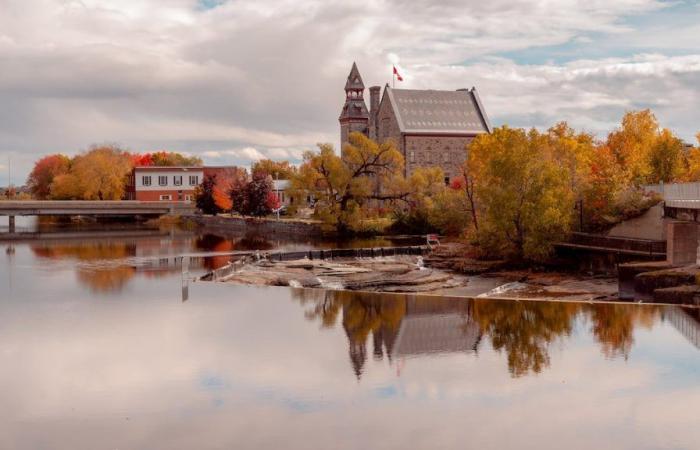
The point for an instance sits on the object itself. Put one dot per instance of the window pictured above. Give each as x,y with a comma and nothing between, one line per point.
146,179
177,180
194,180
166,197
188,198
413,156
162,180
447,181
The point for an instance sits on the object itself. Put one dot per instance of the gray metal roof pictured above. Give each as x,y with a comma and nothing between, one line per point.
430,111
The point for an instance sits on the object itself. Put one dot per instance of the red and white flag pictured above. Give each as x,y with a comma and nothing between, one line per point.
398,75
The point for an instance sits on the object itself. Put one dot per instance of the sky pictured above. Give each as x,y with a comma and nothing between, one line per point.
234,81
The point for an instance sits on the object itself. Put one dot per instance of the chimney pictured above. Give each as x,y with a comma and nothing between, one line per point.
373,110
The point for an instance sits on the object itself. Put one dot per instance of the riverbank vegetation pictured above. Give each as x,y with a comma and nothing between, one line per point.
97,174
519,192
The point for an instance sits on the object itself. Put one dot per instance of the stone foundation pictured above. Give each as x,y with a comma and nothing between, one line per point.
682,243
259,225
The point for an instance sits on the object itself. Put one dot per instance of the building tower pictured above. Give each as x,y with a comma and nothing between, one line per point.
354,116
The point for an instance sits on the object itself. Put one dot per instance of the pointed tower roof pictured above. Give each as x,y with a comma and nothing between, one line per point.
354,79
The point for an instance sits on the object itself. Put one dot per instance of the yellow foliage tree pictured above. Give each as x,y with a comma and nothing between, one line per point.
632,145
99,174
666,159
524,195
342,187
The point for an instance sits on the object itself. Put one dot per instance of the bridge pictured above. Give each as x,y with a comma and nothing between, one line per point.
114,208
679,198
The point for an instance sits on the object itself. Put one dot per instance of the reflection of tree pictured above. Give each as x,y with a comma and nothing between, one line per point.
99,279
105,280
86,251
613,326
363,313
215,243
525,330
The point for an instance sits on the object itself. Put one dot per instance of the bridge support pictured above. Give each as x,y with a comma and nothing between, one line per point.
12,224
682,243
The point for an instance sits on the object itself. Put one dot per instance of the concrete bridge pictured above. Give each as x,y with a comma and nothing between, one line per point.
118,208
681,211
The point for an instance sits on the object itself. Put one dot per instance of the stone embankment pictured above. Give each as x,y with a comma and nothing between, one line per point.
659,282
259,225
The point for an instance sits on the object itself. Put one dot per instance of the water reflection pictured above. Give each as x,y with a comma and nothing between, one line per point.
106,261
401,326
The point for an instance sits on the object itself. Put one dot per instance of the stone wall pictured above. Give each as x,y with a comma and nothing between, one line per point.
259,225
446,152
682,243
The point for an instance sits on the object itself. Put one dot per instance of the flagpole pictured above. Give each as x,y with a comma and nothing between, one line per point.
393,77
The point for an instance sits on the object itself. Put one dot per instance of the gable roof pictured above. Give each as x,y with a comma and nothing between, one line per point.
430,111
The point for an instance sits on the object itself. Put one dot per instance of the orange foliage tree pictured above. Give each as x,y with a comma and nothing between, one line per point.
44,172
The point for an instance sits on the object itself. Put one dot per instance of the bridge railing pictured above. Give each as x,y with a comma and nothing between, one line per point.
649,246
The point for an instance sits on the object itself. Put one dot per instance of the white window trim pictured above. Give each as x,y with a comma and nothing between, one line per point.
167,197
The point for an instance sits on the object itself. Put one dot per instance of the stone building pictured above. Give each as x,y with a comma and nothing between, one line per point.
429,127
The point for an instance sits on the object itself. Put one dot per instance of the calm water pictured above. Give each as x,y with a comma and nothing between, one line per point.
101,352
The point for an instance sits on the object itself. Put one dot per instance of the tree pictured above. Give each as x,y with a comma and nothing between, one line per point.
101,173
163,158
278,170
525,199
666,158
257,193
204,196
632,145
66,187
342,187
44,172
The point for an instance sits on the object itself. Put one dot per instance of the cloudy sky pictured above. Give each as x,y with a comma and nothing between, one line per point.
236,80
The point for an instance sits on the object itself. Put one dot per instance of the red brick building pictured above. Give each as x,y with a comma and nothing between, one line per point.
168,184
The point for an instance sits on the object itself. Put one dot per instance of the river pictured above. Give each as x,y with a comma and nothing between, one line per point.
106,345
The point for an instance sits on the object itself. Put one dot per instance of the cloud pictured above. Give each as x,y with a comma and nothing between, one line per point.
205,75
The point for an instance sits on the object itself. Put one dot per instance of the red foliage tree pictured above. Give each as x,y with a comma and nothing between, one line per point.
44,172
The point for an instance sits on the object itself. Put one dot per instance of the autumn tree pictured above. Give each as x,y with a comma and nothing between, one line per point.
257,195
632,144
343,187
44,172
525,198
278,170
98,174
666,158
205,196
102,172
169,159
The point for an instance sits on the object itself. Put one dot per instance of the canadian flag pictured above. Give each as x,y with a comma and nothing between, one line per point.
398,75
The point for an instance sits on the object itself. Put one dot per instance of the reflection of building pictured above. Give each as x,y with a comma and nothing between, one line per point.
687,322
418,326
423,334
